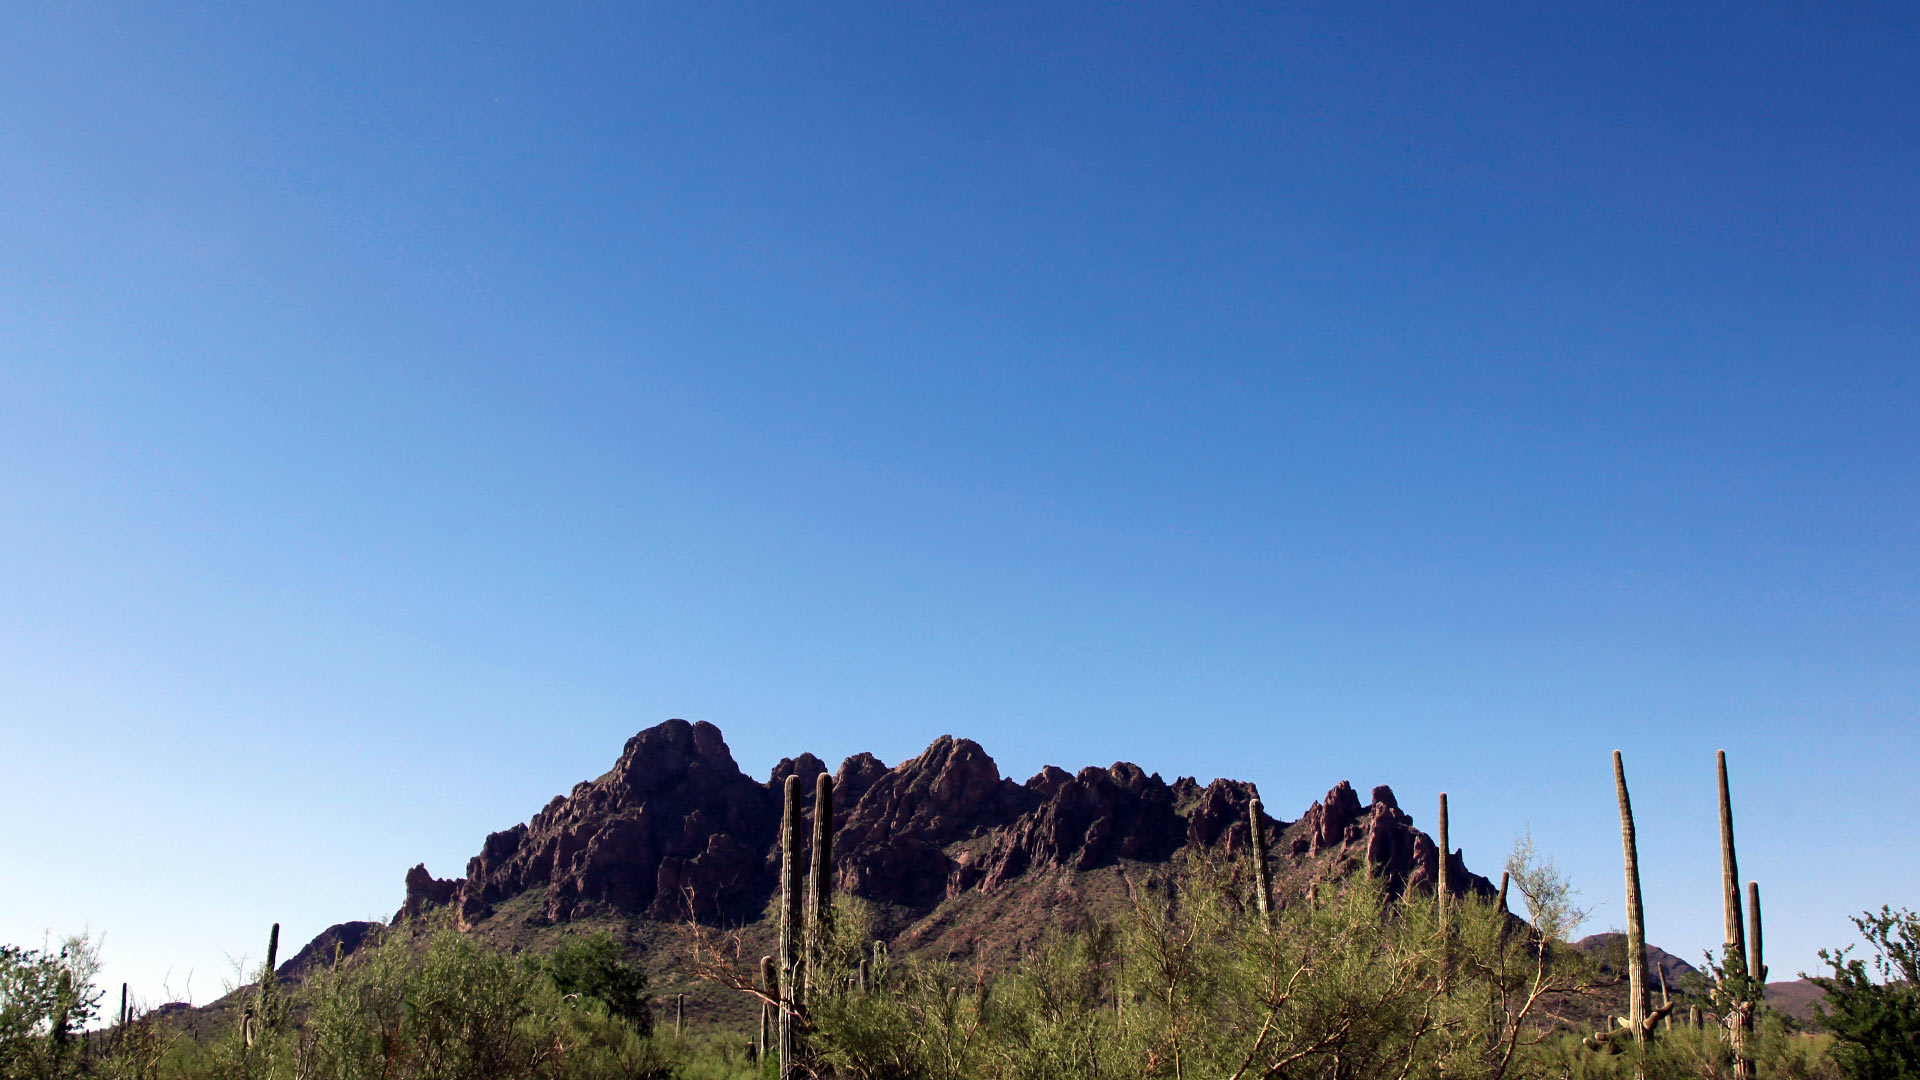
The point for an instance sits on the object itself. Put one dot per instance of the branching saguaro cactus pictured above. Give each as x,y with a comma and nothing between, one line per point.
792,928
1262,881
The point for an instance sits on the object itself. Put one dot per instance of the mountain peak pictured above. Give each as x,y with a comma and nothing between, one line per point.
676,829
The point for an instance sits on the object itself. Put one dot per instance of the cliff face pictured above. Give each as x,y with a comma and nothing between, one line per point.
676,829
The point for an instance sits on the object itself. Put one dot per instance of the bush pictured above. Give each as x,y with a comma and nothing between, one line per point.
46,999
591,967
1876,1024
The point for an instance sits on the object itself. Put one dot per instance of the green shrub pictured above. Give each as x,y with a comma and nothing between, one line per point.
591,967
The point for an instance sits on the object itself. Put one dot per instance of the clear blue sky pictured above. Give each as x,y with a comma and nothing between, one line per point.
399,407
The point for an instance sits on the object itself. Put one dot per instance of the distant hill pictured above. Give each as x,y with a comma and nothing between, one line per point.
1611,948
1796,998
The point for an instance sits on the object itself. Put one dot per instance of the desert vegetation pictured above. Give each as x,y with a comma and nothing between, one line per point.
1211,971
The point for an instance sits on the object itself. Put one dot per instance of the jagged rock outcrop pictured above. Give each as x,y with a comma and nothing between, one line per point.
676,828
426,891
1379,835
891,844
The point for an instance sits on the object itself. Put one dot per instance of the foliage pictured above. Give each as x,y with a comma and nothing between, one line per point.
46,998
1873,1010
1347,982
1191,982
591,967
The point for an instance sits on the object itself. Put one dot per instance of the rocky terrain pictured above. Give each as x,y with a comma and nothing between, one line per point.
675,830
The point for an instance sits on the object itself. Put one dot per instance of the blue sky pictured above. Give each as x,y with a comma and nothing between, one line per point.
398,409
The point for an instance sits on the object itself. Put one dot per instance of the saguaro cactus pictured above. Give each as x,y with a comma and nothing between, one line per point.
770,982
820,890
1262,882
257,1015
1666,1000
1734,959
1443,890
1638,1004
792,926
1756,963
1734,989
269,983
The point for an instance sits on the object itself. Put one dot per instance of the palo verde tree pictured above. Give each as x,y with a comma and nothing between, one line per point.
1873,1009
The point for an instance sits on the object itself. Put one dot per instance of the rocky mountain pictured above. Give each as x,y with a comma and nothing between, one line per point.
675,829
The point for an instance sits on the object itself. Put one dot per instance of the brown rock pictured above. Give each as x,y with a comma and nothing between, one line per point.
675,829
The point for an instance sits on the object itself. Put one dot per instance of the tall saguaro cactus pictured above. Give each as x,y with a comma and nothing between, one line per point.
267,983
792,926
820,890
1444,898
1734,988
1638,1004
1262,881
1734,959
258,1015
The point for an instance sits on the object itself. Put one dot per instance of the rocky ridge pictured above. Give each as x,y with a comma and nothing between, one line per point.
676,829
